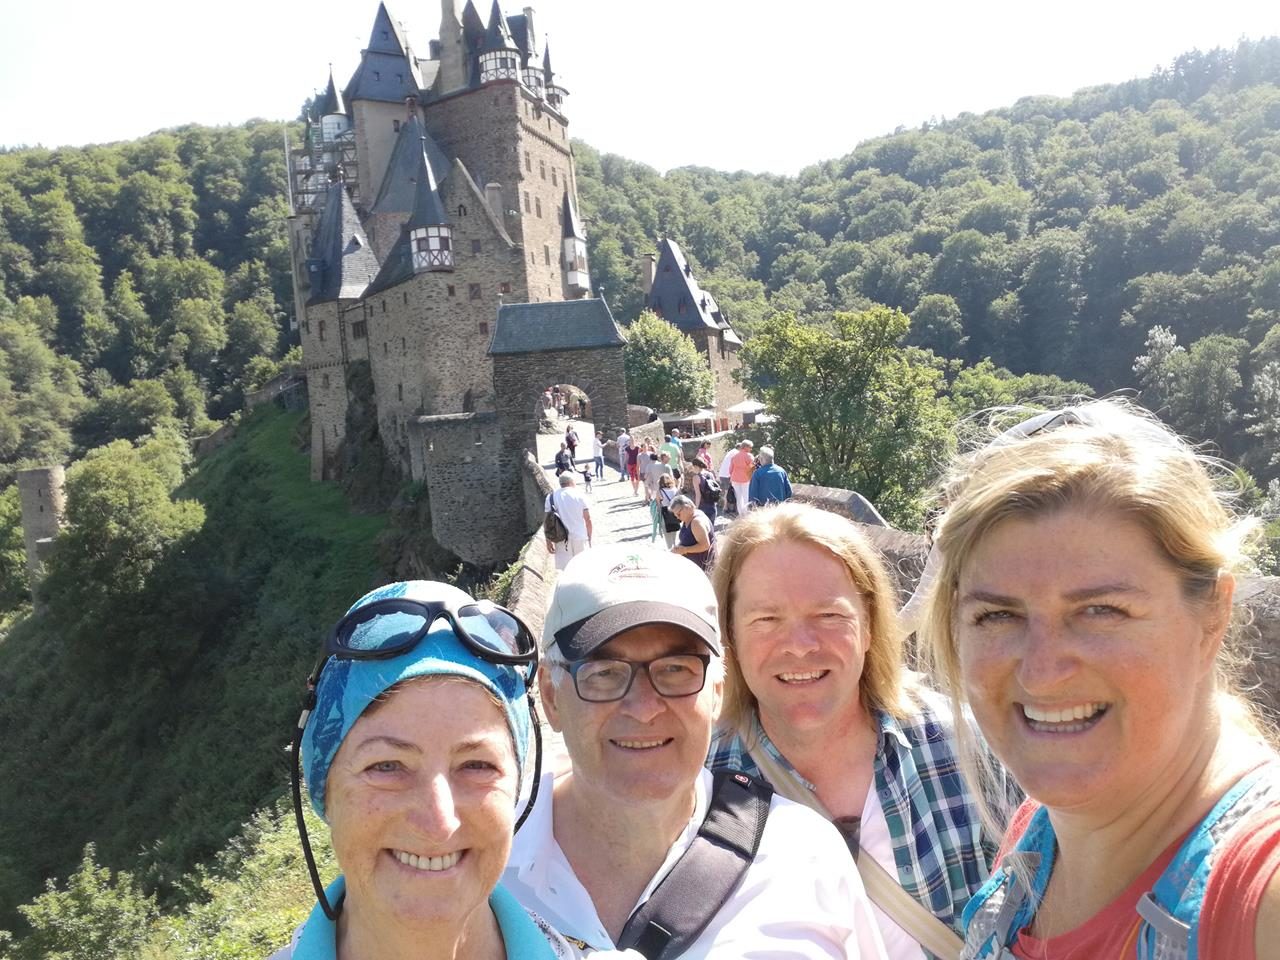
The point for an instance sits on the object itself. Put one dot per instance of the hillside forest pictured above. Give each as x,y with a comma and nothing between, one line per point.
1123,238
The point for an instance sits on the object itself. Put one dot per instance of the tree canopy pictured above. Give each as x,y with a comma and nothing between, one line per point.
663,366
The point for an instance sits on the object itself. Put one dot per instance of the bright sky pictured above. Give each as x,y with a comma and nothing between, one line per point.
729,84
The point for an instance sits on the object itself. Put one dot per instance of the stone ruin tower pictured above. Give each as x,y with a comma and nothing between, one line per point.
40,491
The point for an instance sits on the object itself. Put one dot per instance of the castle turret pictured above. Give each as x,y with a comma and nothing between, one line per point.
430,234
576,280
553,91
525,35
40,493
453,50
499,55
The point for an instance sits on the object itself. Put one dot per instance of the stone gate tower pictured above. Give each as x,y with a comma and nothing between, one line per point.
40,492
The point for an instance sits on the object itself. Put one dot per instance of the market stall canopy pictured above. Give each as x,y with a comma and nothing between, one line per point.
746,406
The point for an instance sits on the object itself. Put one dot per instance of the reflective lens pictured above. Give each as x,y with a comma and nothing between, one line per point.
494,629
600,681
386,627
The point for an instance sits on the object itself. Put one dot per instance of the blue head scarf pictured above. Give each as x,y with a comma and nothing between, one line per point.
347,687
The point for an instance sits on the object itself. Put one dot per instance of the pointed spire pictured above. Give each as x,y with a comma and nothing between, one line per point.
546,64
498,35
386,36
398,190
331,100
342,261
428,208
572,225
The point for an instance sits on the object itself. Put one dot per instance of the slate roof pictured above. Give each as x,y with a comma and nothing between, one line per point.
330,101
497,36
428,208
519,26
677,297
388,71
348,263
572,225
472,40
555,325
386,36
397,191
546,64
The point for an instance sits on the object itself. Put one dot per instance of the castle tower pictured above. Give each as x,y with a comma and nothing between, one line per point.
339,268
453,51
386,78
577,282
40,492
430,234
555,93
397,194
499,55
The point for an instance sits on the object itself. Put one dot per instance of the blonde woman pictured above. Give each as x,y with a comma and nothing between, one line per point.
1082,609
817,701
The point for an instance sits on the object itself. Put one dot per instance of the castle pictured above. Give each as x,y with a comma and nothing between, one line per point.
435,237
429,191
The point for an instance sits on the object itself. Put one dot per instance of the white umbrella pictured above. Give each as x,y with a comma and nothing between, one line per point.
746,406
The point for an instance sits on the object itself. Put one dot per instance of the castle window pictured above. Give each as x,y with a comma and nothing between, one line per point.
537,202
322,331
542,169
324,381
399,391
377,76
504,287
527,205
546,253
682,305
484,327
395,126
386,350
533,258
359,330
553,176
404,345
462,209
473,291
476,246
384,306
335,429
451,290
405,294
528,161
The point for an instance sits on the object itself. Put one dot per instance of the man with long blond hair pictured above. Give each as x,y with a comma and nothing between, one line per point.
818,702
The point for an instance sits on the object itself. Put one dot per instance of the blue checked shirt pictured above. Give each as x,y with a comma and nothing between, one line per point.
942,853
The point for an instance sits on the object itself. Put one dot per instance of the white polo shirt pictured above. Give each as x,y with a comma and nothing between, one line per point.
800,898
570,504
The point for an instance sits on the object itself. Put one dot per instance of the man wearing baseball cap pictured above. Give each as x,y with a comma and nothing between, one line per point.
628,849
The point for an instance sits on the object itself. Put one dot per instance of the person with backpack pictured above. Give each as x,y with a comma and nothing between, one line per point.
1083,611
567,526
706,491
637,846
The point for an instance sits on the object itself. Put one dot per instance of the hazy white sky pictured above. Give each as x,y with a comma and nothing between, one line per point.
730,84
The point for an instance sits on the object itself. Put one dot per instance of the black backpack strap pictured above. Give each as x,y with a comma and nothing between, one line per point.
705,876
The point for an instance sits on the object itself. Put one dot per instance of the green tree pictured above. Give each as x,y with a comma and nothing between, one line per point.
937,324
854,408
1199,390
128,413
97,916
664,368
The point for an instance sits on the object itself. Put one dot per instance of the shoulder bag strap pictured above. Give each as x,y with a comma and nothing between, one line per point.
706,875
884,890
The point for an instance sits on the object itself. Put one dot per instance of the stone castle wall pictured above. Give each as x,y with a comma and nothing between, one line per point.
324,360
43,501
375,125
519,379
723,360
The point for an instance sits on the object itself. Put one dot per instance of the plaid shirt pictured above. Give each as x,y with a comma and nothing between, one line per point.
942,853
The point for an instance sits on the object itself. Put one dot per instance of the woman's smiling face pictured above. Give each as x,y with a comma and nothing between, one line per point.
421,803
1087,668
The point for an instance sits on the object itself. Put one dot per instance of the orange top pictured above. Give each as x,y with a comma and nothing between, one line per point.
741,465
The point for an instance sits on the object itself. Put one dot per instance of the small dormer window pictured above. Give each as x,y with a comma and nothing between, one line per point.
377,76
462,209
395,126
386,35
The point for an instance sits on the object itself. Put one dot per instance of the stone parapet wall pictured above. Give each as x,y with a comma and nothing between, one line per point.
532,584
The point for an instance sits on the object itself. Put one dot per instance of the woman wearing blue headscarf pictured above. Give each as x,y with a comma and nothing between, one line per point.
413,741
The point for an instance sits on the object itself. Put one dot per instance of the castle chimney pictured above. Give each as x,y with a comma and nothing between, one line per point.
530,32
493,197
648,270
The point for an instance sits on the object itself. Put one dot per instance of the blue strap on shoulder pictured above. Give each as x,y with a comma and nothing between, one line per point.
1035,849
1173,906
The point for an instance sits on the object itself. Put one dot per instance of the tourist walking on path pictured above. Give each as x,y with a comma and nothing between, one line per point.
741,466
697,538
672,448
575,514
819,704
726,484
1083,611
563,459
571,439
769,483
597,454
632,458
706,492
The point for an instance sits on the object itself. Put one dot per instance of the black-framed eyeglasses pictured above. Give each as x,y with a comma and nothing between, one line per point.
609,679
386,628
